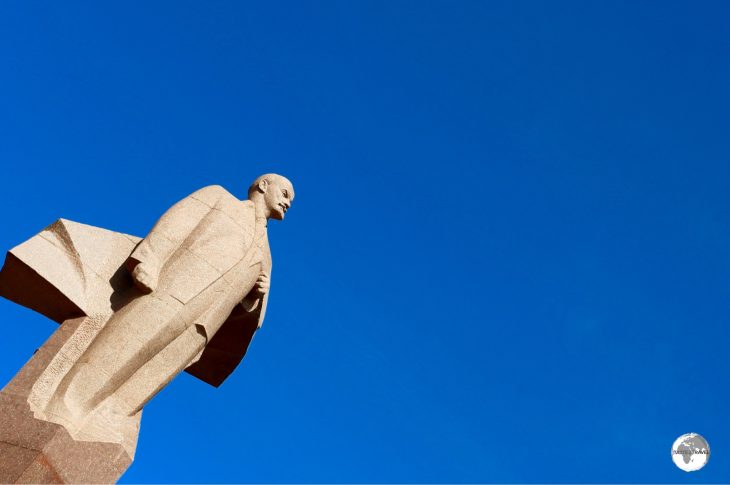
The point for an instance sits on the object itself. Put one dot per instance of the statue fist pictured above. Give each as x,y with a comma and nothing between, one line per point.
145,278
262,284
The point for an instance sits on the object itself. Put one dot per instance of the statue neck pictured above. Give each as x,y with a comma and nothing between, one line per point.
260,208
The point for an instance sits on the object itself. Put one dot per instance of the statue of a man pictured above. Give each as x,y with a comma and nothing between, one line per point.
134,313
204,261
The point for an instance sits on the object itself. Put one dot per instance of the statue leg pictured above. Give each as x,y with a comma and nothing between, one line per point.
154,375
132,337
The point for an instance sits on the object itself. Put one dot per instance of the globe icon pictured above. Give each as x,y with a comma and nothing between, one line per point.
690,452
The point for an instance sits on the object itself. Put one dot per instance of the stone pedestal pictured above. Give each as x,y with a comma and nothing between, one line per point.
37,451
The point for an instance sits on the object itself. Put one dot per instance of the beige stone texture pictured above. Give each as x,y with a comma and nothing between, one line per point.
34,450
134,313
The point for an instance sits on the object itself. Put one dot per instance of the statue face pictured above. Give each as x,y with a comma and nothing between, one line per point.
278,196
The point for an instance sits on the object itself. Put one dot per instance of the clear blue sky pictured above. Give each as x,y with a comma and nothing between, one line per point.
508,257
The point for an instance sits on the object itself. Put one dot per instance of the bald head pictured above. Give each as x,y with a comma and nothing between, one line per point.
273,194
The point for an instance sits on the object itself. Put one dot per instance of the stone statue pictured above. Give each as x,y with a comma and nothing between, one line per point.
135,313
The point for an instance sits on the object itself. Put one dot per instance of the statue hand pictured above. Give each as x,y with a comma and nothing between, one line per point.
145,278
262,284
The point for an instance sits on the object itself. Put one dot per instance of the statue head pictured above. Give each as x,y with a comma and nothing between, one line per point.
272,193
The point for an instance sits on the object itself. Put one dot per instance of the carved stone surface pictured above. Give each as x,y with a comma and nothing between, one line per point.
34,450
134,314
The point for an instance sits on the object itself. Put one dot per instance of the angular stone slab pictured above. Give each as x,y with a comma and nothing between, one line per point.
36,451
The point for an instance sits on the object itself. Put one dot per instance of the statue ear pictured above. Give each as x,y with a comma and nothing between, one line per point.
263,185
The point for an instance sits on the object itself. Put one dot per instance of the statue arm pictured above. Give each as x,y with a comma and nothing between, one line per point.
256,306
256,300
170,231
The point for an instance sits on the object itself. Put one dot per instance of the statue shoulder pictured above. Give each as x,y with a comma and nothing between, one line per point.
211,194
